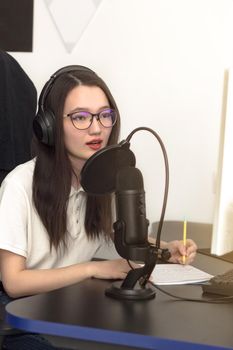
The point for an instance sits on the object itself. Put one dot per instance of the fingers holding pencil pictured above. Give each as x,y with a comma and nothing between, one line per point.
189,247
183,251
178,250
189,250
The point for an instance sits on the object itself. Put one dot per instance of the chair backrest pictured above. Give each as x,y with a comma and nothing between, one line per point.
18,103
201,233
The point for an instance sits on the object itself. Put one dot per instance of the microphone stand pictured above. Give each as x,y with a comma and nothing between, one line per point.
134,286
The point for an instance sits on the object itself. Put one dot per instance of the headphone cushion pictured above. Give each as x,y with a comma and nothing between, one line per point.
43,126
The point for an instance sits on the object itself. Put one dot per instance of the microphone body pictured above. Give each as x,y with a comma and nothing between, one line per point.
131,223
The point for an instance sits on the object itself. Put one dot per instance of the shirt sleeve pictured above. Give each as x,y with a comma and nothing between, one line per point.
14,206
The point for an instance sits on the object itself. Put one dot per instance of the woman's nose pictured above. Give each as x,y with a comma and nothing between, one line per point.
95,127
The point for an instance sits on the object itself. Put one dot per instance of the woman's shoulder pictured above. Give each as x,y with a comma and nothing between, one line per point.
21,175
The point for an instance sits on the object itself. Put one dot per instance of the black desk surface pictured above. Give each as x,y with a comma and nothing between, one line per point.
83,311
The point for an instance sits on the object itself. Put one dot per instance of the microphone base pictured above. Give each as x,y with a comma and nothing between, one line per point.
137,293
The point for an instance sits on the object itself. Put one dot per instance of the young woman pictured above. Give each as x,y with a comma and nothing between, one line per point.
50,228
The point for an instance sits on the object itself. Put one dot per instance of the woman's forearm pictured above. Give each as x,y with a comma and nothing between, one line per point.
19,281
28,282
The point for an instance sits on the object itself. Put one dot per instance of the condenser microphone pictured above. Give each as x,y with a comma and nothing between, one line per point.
130,207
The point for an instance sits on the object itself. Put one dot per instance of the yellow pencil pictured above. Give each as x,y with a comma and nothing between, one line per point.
184,238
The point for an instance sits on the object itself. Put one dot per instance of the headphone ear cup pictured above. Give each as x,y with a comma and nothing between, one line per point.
44,127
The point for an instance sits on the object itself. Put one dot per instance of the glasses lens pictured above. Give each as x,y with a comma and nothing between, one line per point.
107,118
81,120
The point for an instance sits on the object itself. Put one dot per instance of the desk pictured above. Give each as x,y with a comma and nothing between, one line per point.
83,312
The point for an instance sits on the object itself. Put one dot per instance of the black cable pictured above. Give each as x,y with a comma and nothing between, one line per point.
129,263
219,300
157,243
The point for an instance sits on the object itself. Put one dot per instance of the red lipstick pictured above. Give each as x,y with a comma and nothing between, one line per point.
95,144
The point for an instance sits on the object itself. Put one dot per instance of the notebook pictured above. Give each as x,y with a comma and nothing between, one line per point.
167,274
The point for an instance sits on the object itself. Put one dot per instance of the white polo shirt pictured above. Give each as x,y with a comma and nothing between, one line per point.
22,232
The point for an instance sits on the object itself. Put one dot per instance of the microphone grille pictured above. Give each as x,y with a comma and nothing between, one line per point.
129,178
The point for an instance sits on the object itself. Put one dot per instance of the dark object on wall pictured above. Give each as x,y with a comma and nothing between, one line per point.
16,23
18,101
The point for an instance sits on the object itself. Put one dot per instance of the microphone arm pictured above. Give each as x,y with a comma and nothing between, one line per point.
158,236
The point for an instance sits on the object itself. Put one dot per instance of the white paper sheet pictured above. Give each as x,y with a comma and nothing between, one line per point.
178,274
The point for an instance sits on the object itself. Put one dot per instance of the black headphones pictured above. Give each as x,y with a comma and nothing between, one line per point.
44,121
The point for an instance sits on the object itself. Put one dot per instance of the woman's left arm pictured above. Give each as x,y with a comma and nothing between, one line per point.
178,250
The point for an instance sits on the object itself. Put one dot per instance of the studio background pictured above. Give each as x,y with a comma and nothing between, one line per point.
166,63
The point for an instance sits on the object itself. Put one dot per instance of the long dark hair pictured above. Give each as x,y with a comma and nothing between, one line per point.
53,169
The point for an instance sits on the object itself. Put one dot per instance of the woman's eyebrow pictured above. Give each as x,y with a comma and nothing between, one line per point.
86,109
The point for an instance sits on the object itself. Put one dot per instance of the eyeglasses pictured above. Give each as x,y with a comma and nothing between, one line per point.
82,120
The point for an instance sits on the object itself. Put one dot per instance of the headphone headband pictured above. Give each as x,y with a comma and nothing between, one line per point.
54,76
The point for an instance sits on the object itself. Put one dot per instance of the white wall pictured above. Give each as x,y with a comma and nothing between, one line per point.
164,61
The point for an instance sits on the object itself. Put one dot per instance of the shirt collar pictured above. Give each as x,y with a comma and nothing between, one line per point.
74,191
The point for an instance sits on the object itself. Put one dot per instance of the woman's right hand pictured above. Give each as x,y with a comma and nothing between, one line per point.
111,269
